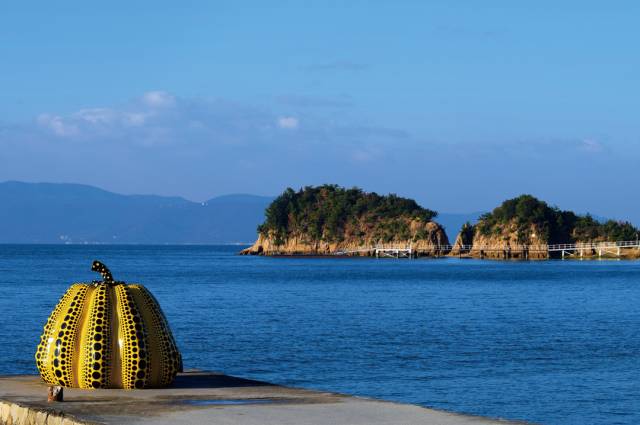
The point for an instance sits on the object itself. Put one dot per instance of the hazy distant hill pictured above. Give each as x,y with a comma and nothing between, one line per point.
72,213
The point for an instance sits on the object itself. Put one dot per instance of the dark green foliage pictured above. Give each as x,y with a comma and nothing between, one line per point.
466,233
555,225
324,212
587,228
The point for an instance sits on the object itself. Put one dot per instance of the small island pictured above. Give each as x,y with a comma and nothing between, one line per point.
332,220
525,226
329,219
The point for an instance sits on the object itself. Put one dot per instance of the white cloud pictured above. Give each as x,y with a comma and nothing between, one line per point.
158,99
159,118
96,115
289,123
199,124
57,125
134,119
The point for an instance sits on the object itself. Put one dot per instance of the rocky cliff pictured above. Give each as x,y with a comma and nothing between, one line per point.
506,241
423,239
327,220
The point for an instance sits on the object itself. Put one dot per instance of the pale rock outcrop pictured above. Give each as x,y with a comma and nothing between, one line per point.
506,241
424,240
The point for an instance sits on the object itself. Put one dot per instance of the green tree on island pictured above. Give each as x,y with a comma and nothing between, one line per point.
326,212
554,224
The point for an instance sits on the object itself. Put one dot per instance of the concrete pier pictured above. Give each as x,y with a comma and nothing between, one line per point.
209,398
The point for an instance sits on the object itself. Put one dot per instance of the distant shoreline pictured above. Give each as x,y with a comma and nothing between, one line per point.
126,244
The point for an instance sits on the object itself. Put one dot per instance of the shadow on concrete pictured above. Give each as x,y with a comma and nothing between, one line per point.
212,380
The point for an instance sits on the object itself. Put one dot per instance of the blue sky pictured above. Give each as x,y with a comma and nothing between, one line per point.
458,104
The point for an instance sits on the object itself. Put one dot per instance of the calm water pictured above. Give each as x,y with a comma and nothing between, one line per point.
549,342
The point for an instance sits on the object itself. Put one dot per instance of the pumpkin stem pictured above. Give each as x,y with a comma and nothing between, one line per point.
97,266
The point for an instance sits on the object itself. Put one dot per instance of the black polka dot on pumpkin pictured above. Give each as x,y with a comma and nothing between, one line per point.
58,373
139,384
96,375
95,384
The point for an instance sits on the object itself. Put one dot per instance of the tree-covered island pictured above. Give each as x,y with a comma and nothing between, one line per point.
329,219
321,220
528,221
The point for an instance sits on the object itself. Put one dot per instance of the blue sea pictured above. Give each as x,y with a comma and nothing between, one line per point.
548,342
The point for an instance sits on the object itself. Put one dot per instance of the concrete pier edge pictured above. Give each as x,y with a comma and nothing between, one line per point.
12,413
209,397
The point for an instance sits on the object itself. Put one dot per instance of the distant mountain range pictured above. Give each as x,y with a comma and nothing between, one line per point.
74,213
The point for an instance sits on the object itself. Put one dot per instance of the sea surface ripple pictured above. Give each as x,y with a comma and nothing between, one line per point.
554,342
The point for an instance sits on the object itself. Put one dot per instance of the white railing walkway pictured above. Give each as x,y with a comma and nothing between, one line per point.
573,249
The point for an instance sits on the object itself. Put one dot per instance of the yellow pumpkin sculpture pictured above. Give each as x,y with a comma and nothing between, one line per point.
107,334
